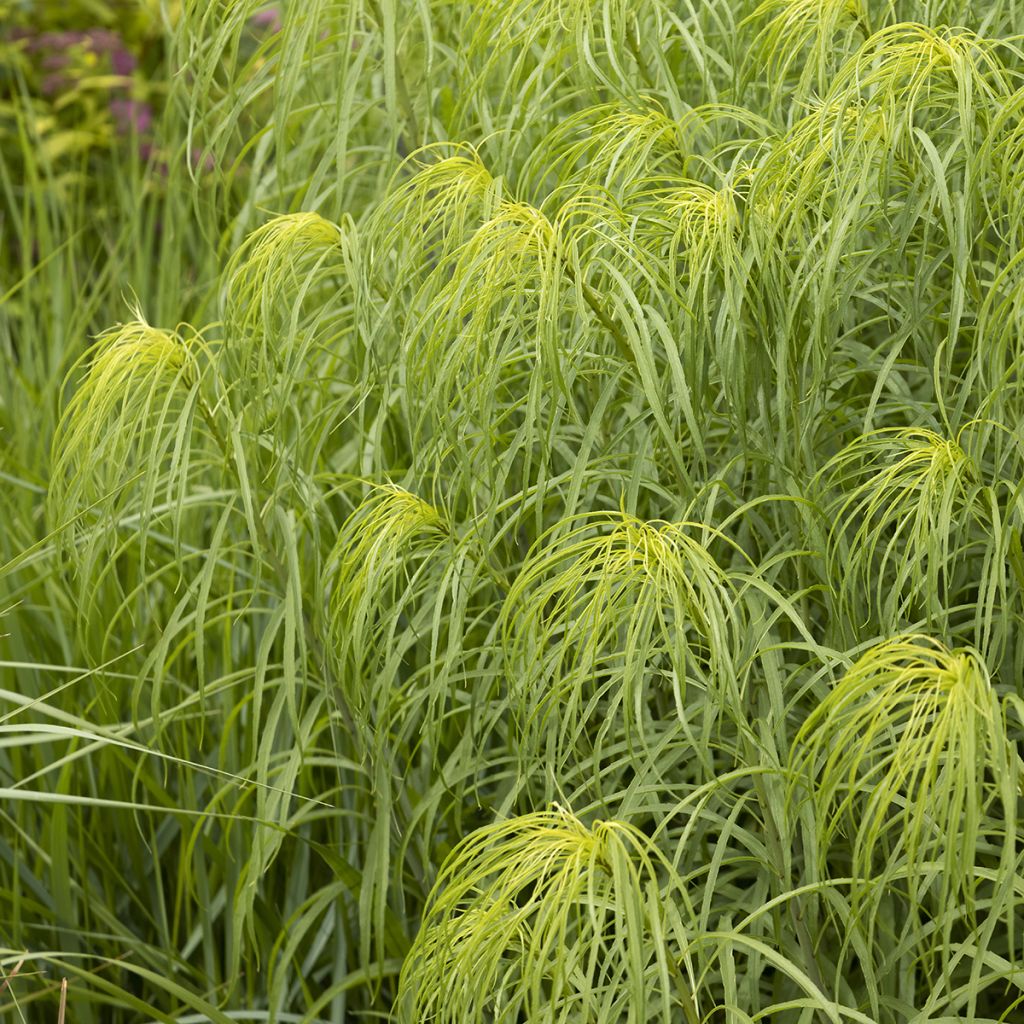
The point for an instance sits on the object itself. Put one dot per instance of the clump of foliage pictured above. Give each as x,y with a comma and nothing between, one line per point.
512,512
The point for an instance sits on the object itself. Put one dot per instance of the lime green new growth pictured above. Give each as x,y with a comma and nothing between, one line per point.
543,539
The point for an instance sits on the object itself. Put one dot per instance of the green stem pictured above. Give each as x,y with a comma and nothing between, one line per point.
777,854
404,98
606,321
686,999
265,545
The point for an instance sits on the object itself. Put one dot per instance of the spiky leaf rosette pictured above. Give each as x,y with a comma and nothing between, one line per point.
697,230
541,918
128,423
908,756
377,569
491,314
406,594
909,71
446,193
477,287
610,620
282,319
610,145
909,511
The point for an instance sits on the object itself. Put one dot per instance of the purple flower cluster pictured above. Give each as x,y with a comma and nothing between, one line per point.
62,58
269,19
57,53
131,116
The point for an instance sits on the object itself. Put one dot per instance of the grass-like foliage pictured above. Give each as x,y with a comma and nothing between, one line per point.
607,610
128,397
902,511
418,419
907,755
543,917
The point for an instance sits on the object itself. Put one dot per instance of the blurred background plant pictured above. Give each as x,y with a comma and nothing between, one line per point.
76,77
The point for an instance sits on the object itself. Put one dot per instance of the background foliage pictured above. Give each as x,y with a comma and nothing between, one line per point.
512,511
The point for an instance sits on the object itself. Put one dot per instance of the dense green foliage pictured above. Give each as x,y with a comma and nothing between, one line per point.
511,511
